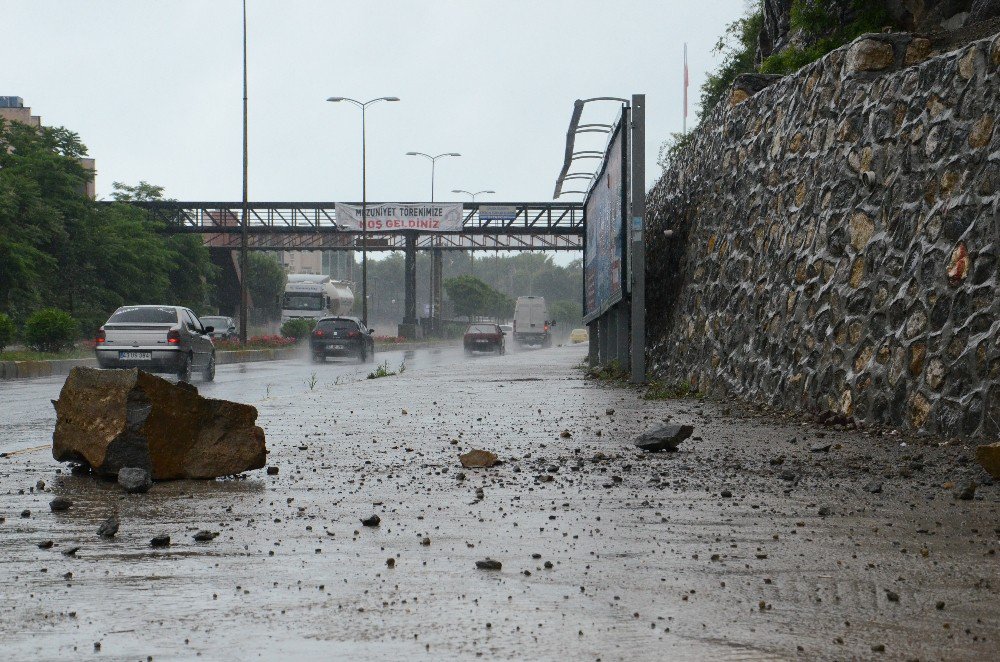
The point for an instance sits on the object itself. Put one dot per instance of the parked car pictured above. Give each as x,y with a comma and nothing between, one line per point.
164,339
484,337
224,328
579,335
507,329
342,336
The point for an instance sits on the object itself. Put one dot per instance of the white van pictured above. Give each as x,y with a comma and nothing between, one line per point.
532,322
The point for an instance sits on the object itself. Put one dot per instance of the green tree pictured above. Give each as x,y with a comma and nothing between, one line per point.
141,192
41,194
59,248
266,283
569,314
473,297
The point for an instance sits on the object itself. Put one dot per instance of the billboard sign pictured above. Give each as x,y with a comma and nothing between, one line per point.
392,216
497,212
604,215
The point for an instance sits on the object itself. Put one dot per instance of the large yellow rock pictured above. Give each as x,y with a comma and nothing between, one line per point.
989,457
110,419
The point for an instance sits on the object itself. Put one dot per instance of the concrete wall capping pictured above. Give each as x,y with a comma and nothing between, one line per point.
835,240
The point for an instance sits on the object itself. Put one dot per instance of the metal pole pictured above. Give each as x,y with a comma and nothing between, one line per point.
435,256
364,223
638,247
244,294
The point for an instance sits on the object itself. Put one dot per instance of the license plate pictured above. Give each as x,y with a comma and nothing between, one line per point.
135,356
482,342
335,346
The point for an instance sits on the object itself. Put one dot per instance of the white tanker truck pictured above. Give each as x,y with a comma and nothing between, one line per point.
314,296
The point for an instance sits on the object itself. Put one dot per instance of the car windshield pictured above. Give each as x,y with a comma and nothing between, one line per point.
303,301
337,325
482,328
144,316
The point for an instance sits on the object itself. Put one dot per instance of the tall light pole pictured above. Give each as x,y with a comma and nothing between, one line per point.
472,253
458,190
433,160
244,294
436,262
363,105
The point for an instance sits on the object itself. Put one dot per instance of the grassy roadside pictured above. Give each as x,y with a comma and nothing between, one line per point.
614,374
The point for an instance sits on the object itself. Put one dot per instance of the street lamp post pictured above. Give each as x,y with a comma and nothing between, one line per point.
470,193
436,266
244,294
472,253
363,105
433,160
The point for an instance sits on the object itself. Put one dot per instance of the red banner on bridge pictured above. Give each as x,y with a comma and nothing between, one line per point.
389,216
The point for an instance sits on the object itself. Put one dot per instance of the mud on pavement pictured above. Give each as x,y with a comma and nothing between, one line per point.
758,539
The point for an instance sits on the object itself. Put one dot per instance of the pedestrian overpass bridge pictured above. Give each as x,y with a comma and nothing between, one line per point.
307,226
303,226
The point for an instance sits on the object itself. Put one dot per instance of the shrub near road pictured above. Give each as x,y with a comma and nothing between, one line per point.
50,330
6,331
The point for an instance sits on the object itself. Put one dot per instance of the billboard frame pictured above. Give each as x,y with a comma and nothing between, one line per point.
618,131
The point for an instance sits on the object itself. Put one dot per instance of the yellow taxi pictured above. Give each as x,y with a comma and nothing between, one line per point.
579,335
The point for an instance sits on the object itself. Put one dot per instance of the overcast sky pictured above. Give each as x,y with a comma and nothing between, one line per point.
154,88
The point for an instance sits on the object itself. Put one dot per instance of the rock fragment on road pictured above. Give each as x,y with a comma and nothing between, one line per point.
478,459
108,527
110,419
60,504
135,480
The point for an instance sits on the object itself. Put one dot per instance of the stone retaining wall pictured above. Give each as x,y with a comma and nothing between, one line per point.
835,239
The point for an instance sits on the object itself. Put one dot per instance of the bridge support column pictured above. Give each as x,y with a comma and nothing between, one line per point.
408,329
437,297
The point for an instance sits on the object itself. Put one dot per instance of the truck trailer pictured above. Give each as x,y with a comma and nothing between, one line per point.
312,296
532,323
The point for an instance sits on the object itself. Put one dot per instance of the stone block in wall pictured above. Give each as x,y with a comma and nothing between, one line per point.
747,85
869,54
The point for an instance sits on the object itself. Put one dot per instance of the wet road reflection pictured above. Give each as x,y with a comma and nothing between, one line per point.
27,416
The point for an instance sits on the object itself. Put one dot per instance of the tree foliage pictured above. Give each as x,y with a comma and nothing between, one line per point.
817,27
513,275
60,249
737,46
266,283
472,297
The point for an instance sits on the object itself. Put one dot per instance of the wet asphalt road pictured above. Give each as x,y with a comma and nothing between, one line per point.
27,416
718,552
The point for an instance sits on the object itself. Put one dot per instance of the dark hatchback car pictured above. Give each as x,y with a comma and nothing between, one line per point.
484,338
223,328
341,336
